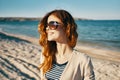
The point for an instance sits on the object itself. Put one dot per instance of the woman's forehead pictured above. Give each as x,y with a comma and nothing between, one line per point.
53,18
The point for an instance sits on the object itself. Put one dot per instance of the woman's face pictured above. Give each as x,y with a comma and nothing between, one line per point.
56,32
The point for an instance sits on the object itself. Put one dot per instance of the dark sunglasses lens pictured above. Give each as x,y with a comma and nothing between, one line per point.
53,25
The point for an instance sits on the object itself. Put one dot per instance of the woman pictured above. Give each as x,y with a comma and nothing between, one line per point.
59,61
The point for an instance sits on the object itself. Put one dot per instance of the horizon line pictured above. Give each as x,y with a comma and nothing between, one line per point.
78,18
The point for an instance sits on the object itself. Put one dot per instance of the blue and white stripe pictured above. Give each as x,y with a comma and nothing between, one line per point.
56,71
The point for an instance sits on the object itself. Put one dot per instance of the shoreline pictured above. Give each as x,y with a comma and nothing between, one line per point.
20,58
27,38
96,52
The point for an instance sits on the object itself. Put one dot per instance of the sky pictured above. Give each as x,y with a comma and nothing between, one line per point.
88,9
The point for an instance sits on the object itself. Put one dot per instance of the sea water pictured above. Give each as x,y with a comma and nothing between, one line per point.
104,32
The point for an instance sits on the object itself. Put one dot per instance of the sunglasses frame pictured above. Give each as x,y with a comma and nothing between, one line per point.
53,25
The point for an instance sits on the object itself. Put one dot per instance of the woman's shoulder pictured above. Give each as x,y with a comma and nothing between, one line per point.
81,56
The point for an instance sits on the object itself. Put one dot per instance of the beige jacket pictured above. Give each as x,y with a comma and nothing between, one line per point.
78,68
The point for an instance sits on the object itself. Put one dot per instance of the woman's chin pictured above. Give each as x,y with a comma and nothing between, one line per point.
51,40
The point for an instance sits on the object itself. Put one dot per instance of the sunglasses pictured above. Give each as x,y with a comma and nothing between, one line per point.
53,25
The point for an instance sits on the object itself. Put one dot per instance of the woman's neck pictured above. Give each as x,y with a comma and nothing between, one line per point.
63,49
63,53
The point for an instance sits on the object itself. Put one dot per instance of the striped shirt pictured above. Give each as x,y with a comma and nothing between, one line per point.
56,71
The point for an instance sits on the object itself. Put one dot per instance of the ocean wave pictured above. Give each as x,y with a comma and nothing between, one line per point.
113,41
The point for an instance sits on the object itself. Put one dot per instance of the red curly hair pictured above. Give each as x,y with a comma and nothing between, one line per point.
50,47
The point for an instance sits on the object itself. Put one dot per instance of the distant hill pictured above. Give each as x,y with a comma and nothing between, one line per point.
18,19
28,19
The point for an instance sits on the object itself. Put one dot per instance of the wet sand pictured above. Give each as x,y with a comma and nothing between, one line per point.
19,59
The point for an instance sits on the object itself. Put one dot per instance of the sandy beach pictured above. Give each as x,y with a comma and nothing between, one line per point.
19,59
